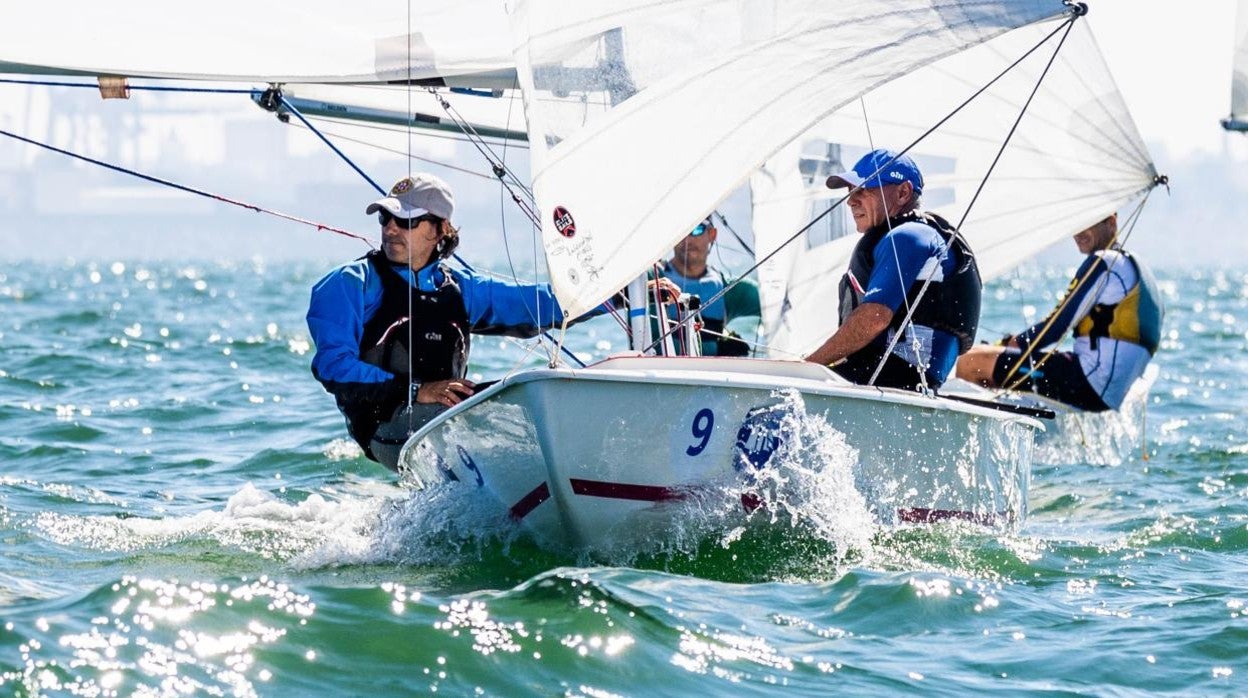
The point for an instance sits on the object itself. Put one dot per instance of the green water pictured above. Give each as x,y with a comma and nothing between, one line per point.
182,515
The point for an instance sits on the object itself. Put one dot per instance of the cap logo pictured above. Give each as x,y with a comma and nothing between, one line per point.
402,187
896,175
564,223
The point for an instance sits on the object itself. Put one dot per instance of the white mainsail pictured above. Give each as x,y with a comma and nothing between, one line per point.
1238,120
367,41
1075,158
642,114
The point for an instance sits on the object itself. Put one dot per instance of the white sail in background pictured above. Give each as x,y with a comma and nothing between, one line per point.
1238,120
244,41
1075,158
643,114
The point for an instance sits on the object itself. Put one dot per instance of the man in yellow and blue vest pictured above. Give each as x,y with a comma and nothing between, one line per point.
1113,306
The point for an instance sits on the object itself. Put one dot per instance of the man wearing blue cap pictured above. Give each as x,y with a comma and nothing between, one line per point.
690,269
392,328
909,302
1113,306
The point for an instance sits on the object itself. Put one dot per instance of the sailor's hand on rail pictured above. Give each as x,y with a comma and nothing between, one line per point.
667,288
448,392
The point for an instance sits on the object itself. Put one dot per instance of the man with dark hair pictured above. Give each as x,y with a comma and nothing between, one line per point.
908,265
689,268
392,328
1114,307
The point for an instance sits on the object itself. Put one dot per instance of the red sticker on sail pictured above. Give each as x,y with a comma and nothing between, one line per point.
564,223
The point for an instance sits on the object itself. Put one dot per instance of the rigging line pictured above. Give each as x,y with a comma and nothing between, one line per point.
723,219
888,222
957,231
483,148
470,129
759,263
1018,285
502,220
534,315
291,108
396,151
320,135
143,88
190,190
886,165
528,351
499,167
1007,386
408,163
1131,224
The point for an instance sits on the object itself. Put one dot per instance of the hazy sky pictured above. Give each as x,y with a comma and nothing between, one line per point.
1172,62
1173,66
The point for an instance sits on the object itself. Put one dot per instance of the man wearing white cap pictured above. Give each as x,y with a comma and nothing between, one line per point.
392,328
901,251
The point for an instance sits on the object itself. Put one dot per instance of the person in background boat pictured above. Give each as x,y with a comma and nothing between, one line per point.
1114,307
901,249
689,269
392,328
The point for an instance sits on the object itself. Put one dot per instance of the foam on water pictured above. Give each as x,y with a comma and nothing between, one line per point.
313,532
799,516
1142,563
1096,438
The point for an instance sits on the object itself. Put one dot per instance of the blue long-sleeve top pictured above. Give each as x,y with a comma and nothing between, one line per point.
1074,306
344,300
909,253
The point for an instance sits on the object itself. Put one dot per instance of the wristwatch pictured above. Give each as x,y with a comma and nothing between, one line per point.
412,390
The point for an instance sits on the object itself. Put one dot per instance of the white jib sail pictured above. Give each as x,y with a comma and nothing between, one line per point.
1239,70
246,41
643,114
1075,158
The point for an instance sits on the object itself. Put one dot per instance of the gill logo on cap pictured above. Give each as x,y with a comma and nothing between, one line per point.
896,175
564,223
402,186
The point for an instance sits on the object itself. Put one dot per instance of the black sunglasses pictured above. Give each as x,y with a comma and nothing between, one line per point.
384,217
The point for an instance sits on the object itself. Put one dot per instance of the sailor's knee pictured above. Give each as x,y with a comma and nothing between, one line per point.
977,364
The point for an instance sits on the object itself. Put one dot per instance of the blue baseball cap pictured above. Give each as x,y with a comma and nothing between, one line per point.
901,169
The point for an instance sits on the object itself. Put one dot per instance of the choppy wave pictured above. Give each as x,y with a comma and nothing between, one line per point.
182,514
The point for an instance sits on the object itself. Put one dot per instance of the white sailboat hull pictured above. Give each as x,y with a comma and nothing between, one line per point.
595,458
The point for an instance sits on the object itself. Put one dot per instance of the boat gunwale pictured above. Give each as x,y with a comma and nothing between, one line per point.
833,386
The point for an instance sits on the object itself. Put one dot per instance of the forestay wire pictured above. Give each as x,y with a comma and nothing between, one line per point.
1010,383
957,232
1077,10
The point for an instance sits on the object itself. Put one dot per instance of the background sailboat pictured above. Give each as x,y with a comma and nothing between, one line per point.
1238,120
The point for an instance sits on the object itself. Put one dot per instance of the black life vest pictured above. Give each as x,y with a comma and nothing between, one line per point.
431,343
950,305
